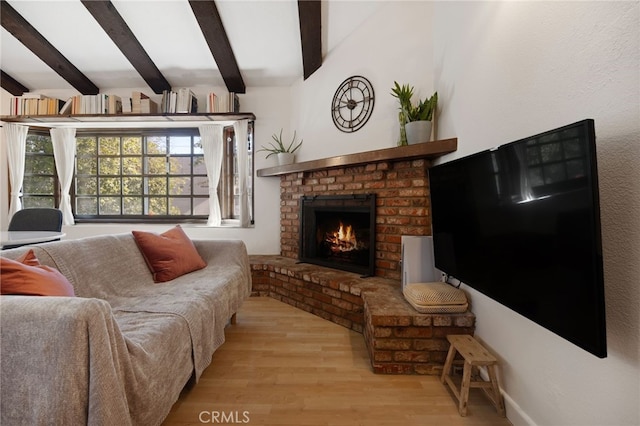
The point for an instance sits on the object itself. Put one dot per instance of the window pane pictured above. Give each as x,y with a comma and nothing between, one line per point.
180,186
200,186
39,165
132,186
201,206
180,165
156,145
179,206
39,144
86,166
34,202
132,145
109,146
132,165
86,146
156,165
86,186
197,145
109,205
157,205
38,185
199,167
156,186
87,206
180,145
109,186
109,166
132,206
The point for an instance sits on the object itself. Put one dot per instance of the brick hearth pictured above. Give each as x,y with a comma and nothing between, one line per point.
399,339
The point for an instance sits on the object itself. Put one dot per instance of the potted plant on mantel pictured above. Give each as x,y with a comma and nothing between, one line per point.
415,120
284,153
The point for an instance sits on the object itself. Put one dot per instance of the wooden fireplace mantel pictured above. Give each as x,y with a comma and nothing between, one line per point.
432,149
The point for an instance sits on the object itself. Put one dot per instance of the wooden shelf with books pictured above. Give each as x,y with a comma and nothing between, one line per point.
142,119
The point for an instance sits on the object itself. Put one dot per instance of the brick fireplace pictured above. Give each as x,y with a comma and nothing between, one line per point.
397,176
402,204
399,339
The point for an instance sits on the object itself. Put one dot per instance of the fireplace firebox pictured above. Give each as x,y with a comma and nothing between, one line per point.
338,231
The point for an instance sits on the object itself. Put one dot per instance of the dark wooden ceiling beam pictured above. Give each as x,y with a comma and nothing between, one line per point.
13,22
117,29
11,85
208,18
309,13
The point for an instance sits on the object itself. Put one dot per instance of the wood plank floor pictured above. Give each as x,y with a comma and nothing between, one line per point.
284,366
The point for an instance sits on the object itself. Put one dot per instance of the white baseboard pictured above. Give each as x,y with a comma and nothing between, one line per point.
515,414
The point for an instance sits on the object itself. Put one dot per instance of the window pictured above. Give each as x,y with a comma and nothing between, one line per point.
135,176
40,186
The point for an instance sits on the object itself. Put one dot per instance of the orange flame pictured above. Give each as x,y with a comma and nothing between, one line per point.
344,239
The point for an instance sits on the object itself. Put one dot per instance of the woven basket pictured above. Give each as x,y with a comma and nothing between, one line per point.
435,298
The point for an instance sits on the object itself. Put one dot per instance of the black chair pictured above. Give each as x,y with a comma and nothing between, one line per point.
35,219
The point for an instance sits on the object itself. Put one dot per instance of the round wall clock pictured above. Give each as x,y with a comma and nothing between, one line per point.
352,104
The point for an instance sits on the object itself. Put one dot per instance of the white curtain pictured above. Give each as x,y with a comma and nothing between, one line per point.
15,136
64,152
211,136
241,129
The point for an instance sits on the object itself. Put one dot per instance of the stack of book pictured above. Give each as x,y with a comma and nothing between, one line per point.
34,104
142,104
92,104
229,104
181,100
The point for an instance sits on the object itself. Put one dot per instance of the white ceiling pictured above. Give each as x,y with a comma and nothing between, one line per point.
264,36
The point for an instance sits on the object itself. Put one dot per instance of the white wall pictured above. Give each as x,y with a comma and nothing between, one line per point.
508,70
379,50
271,107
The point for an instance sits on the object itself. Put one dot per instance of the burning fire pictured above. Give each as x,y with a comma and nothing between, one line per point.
344,239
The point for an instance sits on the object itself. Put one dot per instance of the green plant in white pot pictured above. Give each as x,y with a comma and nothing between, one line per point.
415,119
284,153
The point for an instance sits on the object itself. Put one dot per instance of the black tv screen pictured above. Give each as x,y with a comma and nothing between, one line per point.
521,224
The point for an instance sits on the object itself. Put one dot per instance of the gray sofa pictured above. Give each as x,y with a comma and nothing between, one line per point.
122,350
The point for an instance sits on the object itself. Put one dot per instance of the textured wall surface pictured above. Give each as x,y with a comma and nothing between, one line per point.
508,70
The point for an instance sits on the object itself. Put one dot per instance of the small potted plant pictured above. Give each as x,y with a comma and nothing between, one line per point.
415,119
284,153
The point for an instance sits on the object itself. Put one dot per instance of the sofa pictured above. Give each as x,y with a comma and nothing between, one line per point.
120,351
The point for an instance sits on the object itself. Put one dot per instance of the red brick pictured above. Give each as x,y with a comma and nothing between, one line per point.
412,332
343,304
411,356
383,356
441,345
392,344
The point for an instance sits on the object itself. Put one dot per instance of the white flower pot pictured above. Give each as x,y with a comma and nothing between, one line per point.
285,158
418,131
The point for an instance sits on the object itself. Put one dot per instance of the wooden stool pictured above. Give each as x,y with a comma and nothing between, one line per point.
474,355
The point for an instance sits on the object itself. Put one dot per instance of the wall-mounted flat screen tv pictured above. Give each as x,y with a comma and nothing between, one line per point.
521,224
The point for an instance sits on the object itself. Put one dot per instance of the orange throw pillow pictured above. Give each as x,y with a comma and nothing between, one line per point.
26,276
168,255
